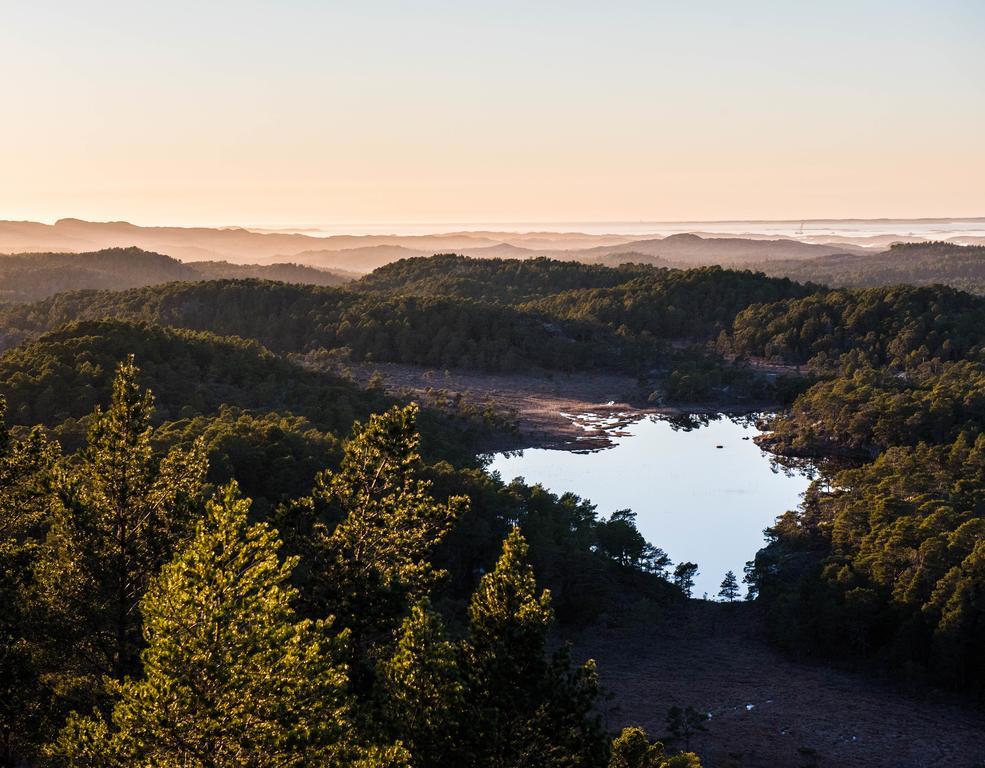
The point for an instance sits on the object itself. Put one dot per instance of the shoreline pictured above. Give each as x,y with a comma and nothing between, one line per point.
579,412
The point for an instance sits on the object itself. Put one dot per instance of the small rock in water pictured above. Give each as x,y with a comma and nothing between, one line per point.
719,446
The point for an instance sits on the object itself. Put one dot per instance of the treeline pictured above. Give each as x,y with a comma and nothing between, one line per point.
450,312
961,267
510,281
203,382
883,561
33,276
445,332
695,304
866,410
66,373
900,327
632,298
150,618
889,567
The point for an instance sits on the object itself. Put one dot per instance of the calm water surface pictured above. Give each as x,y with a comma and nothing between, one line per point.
694,500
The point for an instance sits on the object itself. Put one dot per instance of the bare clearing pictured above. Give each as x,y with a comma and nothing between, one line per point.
565,411
766,709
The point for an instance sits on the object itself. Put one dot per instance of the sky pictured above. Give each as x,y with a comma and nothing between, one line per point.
299,112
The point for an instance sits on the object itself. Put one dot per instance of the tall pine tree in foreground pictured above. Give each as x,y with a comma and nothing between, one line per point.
528,710
124,510
231,677
375,528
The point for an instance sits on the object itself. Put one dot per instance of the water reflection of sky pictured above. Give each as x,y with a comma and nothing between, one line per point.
696,501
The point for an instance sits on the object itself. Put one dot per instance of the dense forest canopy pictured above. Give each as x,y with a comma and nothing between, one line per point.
150,615
899,326
510,281
353,545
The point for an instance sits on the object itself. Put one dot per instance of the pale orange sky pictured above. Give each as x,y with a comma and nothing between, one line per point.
312,113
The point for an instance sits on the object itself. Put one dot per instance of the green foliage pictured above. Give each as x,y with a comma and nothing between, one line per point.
215,668
889,567
528,711
447,311
26,477
632,748
509,281
34,276
672,304
899,327
859,414
433,331
123,509
424,695
191,373
619,539
273,456
230,676
376,525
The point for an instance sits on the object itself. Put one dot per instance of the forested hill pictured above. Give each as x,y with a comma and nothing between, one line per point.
693,304
958,266
67,372
34,276
505,280
439,331
899,326
415,313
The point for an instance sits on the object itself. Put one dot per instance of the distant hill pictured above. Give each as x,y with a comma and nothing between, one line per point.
363,253
234,244
35,276
958,266
692,250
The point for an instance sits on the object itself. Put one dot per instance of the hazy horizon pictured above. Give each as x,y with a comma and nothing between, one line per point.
738,227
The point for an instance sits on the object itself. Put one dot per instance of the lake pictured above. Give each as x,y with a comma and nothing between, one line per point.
694,500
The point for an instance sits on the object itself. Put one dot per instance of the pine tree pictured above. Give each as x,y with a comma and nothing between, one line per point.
684,575
632,748
729,587
26,471
423,692
527,711
230,677
124,511
377,525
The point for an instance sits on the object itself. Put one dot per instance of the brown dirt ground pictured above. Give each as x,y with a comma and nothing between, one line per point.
714,658
542,407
